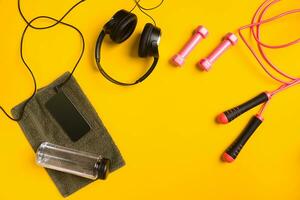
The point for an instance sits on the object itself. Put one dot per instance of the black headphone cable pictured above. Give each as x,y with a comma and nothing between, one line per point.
29,24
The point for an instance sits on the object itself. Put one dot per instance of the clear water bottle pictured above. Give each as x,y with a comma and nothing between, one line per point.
71,161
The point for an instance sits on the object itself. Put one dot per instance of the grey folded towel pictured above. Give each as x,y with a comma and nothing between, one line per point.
39,126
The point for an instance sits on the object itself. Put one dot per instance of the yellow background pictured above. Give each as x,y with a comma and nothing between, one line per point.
165,127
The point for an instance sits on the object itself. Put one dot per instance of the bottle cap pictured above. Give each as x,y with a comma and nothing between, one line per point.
103,168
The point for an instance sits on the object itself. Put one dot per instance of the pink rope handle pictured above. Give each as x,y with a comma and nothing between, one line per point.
270,68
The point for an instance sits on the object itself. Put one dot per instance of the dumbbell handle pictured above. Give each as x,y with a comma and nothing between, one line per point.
233,113
233,151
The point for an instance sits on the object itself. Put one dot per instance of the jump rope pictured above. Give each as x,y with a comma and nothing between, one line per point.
270,68
29,24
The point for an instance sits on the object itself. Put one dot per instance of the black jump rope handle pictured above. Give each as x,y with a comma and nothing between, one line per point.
233,113
233,151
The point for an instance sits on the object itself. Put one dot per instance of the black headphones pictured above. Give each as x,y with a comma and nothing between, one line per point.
120,28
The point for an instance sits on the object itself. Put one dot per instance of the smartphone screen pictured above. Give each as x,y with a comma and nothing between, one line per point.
67,116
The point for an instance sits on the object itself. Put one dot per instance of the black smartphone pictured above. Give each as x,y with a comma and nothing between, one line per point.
67,116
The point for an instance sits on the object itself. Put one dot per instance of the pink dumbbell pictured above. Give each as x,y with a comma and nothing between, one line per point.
229,40
199,34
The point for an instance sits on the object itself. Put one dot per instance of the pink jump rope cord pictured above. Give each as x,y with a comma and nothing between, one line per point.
255,31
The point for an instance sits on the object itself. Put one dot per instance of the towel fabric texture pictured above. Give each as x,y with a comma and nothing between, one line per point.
39,126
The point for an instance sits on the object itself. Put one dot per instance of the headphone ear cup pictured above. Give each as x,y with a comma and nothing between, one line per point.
144,40
149,41
121,26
